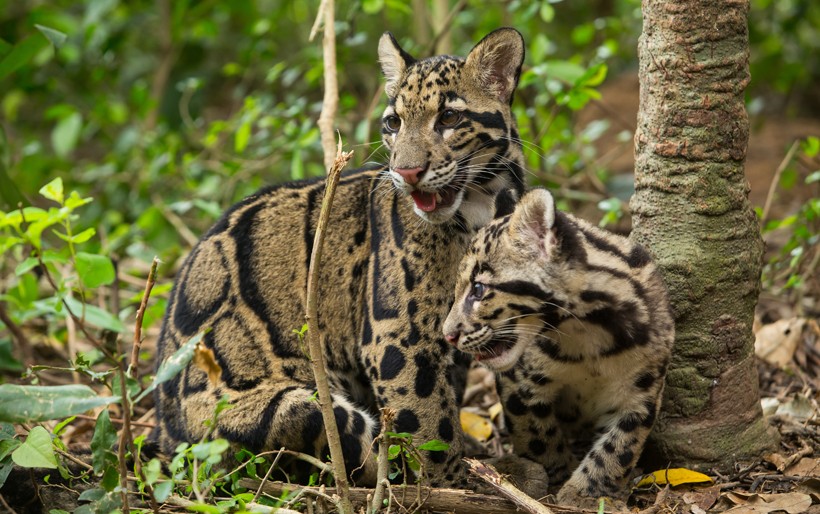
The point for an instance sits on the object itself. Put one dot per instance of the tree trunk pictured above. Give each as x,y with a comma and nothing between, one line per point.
691,211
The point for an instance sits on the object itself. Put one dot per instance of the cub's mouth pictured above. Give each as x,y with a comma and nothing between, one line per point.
493,349
430,201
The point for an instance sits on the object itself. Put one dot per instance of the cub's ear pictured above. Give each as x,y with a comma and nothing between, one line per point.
394,61
532,222
495,62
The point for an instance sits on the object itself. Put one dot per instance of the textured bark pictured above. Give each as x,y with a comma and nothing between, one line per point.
691,210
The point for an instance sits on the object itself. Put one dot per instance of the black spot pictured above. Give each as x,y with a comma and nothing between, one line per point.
540,379
407,421
645,380
437,457
401,390
515,406
638,257
625,458
341,418
628,423
541,410
537,447
609,447
425,376
358,423
445,430
392,363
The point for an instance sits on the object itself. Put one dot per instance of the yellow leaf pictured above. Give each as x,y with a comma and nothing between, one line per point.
673,477
476,426
205,360
495,410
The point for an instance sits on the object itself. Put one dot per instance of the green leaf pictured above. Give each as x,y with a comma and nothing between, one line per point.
372,6
565,71
811,146
102,443
547,12
163,490
25,404
53,191
83,236
56,37
10,195
94,270
434,446
66,134
22,53
95,316
37,451
171,366
243,135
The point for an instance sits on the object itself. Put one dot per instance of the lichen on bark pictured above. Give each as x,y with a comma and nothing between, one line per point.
691,210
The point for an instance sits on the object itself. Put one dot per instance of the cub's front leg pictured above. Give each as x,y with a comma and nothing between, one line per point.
606,467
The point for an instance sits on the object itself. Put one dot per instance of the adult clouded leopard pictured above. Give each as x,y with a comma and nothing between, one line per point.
577,323
394,241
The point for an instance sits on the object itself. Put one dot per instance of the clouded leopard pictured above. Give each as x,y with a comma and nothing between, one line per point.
577,324
394,240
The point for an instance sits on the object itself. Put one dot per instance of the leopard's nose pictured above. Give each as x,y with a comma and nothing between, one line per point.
452,338
410,175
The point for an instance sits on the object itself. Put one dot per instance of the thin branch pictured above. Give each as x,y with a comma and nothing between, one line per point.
267,475
146,294
166,63
776,179
388,415
125,436
494,479
317,358
330,103
445,27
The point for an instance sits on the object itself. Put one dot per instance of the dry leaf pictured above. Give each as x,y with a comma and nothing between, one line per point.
776,459
205,360
475,425
495,409
792,503
805,467
776,342
673,477
703,499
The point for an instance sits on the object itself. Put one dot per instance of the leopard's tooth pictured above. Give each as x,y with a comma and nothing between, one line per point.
438,197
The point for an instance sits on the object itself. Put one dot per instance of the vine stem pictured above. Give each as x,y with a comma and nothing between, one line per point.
317,358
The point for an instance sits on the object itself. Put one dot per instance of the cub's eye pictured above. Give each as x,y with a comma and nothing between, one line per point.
477,291
449,118
392,123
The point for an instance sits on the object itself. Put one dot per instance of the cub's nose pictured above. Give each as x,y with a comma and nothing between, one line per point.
410,175
452,338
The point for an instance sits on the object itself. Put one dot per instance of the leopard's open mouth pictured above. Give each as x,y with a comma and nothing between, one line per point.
429,201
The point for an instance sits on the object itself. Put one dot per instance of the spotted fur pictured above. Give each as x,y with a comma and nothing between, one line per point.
385,284
577,324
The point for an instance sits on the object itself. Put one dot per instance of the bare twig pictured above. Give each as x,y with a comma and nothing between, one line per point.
146,294
166,63
6,505
330,102
494,479
444,28
267,475
388,415
317,358
125,436
459,501
776,179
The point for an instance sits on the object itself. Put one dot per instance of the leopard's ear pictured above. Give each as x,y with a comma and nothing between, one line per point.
495,62
532,223
394,61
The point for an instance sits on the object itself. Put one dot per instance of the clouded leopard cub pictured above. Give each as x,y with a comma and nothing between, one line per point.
577,323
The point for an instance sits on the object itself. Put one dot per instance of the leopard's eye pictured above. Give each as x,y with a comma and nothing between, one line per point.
449,118
392,123
477,291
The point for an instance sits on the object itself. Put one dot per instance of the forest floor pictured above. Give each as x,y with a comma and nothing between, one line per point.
788,347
